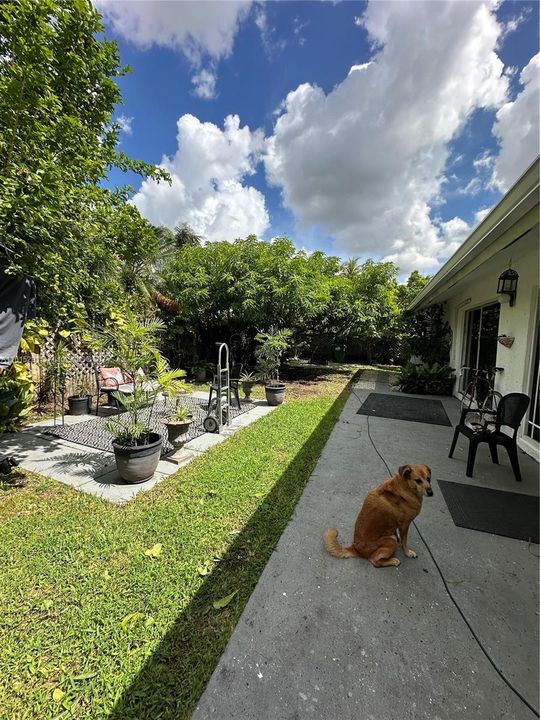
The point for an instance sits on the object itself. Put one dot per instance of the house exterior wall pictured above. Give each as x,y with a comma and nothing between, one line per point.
520,321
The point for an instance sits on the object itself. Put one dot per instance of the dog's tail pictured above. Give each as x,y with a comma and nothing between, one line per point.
334,548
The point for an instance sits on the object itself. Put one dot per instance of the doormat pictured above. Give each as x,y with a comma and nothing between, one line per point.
93,433
492,511
400,407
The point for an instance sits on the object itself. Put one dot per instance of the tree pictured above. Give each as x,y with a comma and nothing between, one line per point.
185,236
57,143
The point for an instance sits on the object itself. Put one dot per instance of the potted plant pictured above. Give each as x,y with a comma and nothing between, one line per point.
137,447
79,404
272,345
199,372
178,424
248,380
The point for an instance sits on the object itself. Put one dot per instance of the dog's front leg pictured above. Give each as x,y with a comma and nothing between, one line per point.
403,532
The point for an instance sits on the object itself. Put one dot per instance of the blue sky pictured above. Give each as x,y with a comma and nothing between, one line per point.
398,159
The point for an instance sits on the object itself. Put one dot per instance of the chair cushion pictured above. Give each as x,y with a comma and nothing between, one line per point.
109,376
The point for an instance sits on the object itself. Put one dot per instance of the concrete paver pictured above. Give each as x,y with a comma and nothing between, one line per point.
341,640
94,471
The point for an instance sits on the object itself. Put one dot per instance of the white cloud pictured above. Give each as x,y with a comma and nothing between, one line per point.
517,128
125,124
513,23
479,215
366,162
207,189
271,45
484,161
203,32
205,84
473,187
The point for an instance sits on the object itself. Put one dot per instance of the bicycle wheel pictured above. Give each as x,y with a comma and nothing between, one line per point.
468,396
491,401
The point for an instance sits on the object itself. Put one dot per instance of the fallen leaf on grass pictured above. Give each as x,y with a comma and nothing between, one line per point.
58,694
218,604
204,569
155,551
130,619
84,676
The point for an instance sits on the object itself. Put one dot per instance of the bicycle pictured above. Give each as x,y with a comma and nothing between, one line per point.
480,391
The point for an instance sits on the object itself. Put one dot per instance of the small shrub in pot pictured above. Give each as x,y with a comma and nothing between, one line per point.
136,446
272,345
178,424
79,403
248,380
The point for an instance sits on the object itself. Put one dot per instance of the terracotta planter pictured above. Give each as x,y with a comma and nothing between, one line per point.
275,393
138,463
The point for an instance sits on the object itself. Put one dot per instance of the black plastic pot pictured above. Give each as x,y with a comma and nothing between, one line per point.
138,463
275,393
79,405
176,430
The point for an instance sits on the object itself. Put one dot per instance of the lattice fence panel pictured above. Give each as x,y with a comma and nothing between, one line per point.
81,368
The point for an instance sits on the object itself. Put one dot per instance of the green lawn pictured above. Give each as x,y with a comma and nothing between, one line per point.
92,627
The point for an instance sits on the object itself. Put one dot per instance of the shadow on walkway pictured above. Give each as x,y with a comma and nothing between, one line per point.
169,685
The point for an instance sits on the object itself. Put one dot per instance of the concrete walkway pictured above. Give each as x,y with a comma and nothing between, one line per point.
340,640
94,471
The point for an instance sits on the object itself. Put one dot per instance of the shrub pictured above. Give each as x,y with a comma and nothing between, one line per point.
426,380
268,355
16,397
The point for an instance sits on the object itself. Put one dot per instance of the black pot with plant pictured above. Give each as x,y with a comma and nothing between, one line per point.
178,425
80,403
137,447
272,345
199,372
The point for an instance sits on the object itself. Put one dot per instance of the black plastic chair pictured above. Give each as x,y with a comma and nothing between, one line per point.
510,412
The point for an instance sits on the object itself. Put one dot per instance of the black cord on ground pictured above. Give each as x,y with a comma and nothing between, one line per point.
452,598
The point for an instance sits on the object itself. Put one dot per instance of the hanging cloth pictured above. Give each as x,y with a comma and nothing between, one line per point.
17,304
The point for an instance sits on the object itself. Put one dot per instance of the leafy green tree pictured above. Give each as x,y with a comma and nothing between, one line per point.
58,92
184,235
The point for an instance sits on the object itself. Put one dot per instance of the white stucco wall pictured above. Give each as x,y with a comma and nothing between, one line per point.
519,321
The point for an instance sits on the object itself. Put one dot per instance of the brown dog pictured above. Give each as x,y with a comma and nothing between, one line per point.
388,508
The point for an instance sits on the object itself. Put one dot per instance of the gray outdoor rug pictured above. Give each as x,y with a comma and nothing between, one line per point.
93,433
401,407
492,511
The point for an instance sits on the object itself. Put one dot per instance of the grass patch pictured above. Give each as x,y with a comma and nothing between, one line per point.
94,627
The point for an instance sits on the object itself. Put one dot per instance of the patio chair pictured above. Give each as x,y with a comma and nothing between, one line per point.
234,380
110,380
510,413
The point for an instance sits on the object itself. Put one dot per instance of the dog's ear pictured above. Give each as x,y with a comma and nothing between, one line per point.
405,471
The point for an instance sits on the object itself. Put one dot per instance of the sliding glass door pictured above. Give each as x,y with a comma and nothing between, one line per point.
533,424
481,332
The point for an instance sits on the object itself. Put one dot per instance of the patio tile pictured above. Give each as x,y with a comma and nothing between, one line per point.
180,458
94,471
110,487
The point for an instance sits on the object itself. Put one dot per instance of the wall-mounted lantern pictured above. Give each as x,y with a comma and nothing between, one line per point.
507,285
